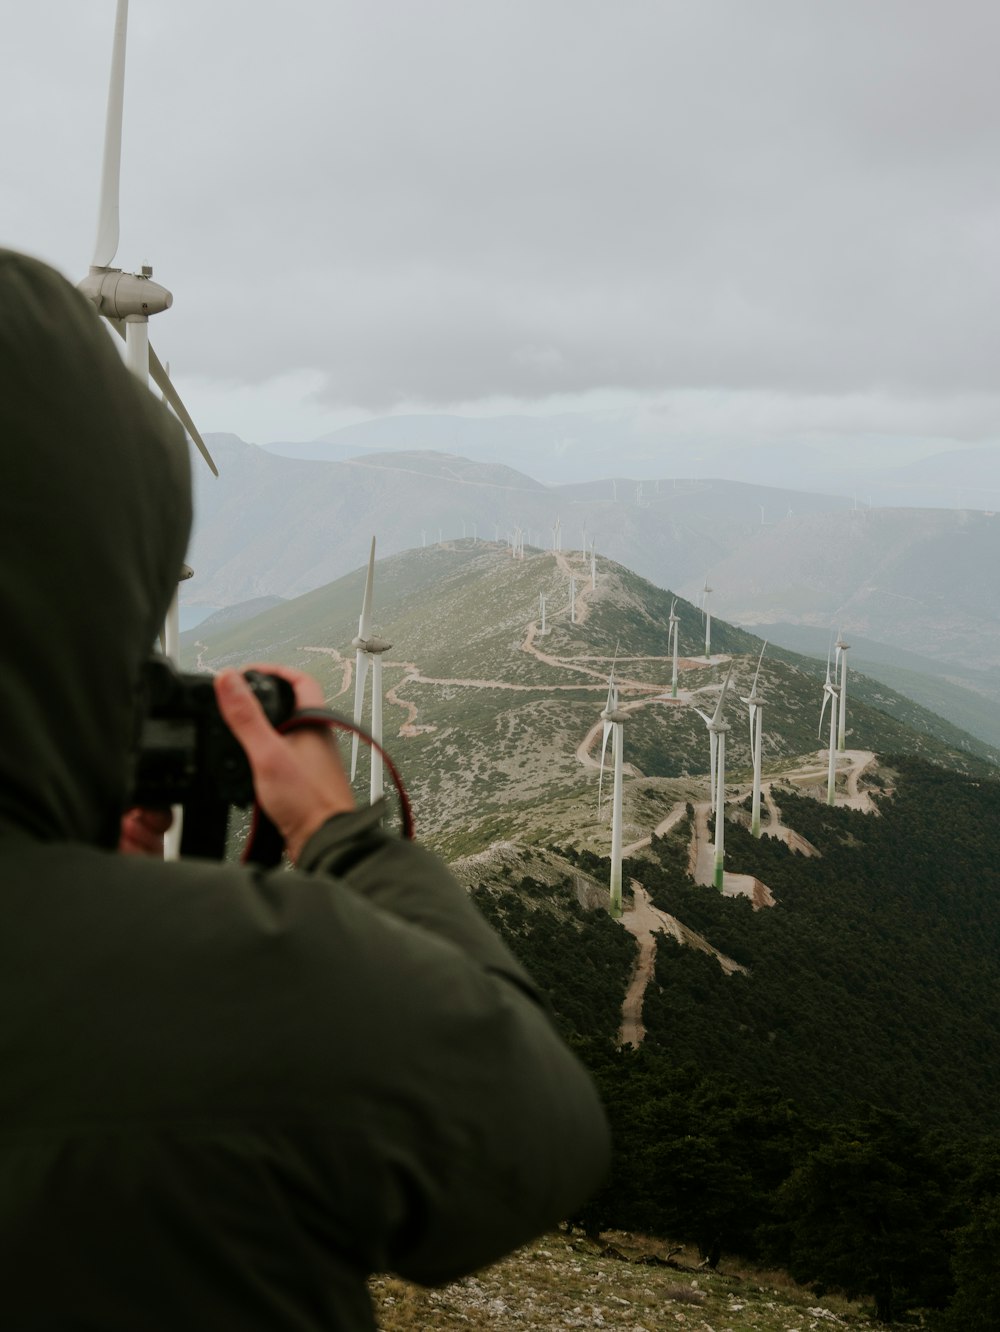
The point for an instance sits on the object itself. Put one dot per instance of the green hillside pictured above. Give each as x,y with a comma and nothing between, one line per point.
486,730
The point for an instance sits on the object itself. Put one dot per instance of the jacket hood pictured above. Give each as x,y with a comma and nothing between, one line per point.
95,513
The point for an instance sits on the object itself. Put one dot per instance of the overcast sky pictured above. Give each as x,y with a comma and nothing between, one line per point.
756,214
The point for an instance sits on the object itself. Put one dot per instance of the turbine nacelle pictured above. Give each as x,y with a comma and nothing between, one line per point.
119,295
372,646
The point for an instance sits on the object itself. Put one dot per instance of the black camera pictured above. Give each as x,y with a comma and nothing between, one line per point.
187,755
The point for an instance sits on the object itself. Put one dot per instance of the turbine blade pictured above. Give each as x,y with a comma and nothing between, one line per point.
106,243
365,623
822,713
722,697
608,728
161,379
753,687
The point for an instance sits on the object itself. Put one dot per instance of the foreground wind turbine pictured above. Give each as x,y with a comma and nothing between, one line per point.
756,706
717,729
706,593
830,692
614,720
541,602
127,300
675,620
841,658
369,649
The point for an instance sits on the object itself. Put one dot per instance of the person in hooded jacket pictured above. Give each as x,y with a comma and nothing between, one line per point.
228,1095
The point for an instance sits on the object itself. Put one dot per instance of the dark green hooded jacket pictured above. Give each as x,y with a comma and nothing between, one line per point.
226,1095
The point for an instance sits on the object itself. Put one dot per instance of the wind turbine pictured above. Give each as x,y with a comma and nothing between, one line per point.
541,602
614,720
706,592
830,692
675,620
756,706
717,729
572,600
841,659
593,564
369,649
127,300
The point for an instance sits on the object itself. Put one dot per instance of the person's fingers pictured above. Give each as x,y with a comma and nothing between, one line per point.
247,720
308,691
142,831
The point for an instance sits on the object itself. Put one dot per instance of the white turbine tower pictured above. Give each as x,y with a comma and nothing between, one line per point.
541,602
717,729
830,692
842,649
706,593
369,649
614,720
593,565
756,707
675,620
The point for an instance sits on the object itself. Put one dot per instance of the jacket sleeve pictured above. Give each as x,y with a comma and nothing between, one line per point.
493,1131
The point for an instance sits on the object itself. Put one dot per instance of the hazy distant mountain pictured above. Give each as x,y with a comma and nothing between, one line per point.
279,526
589,446
551,448
917,579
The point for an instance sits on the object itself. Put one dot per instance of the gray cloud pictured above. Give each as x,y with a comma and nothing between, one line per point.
442,201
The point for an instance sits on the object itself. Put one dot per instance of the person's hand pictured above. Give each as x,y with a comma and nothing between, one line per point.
298,778
143,830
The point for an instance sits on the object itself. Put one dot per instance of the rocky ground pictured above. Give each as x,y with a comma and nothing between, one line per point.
627,1282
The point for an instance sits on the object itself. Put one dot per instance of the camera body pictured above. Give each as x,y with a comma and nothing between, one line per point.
187,755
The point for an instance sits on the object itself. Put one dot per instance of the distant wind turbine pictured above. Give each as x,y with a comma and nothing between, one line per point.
717,729
830,692
614,720
842,649
756,707
369,649
706,593
675,620
541,601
